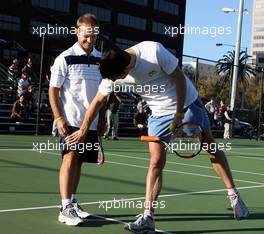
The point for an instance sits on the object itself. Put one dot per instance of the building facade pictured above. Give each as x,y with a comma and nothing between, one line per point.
258,33
123,22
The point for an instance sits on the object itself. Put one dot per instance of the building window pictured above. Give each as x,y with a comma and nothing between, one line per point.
258,52
259,37
101,14
261,60
10,54
125,43
258,29
258,45
259,5
139,2
259,13
38,28
9,22
59,5
259,21
131,21
166,6
158,27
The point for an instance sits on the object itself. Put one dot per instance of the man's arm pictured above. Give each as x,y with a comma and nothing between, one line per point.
58,118
180,80
118,98
169,64
227,116
92,111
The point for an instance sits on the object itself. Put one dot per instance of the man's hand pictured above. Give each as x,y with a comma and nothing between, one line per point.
75,138
174,124
62,127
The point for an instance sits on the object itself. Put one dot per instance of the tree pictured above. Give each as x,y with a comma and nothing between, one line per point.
225,65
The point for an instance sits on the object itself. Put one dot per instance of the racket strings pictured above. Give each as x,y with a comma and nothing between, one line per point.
187,141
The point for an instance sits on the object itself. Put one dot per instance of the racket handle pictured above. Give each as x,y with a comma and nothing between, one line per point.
149,138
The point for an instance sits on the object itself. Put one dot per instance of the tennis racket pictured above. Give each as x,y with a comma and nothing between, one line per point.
100,158
186,142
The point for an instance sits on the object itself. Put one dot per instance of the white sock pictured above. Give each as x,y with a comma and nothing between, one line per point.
148,212
232,191
73,198
65,202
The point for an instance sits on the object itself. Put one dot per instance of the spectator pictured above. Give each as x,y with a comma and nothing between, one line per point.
23,83
13,70
28,68
19,110
228,123
140,121
29,97
140,103
221,112
112,106
211,107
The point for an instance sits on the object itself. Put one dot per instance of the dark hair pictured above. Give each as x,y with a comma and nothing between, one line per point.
113,63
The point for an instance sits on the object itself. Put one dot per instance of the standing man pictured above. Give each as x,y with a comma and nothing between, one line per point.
112,117
228,123
140,121
211,108
173,99
75,78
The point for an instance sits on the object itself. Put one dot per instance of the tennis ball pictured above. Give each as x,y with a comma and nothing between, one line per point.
171,126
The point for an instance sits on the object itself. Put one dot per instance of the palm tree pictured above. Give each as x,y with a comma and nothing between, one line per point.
224,68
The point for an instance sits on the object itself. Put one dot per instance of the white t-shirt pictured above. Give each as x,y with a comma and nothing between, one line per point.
78,78
150,78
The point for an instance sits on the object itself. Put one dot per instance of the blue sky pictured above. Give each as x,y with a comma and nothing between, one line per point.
208,13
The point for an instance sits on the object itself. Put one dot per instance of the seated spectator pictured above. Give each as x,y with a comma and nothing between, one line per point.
23,83
28,68
19,110
140,121
13,70
29,98
140,103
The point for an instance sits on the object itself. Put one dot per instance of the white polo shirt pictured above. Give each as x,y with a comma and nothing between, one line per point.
78,77
150,77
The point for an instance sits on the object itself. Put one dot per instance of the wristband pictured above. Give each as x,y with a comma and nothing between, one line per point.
179,115
58,118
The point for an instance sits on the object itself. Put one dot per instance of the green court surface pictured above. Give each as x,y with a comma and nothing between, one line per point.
193,199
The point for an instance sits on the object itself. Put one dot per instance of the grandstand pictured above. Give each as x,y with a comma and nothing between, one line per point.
8,97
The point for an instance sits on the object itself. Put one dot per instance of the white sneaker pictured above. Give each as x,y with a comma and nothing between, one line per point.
239,207
143,225
79,210
69,216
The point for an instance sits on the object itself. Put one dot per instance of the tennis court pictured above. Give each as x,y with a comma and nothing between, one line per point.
193,199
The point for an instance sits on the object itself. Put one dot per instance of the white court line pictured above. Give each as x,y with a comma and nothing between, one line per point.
131,199
184,164
17,149
183,172
245,153
180,172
